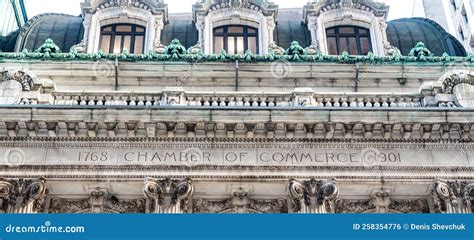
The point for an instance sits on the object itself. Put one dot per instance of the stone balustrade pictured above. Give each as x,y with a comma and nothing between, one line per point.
293,99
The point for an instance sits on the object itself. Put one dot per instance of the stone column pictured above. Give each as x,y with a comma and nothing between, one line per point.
22,196
168,195
313,196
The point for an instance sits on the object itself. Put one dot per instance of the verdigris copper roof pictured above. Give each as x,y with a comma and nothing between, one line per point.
7,44
65,30
181,27
405,33
290,27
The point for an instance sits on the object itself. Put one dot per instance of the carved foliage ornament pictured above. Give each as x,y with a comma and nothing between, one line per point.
25,79
455,79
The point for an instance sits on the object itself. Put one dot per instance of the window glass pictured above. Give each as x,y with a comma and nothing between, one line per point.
352,39
124,28
364,45
139,45
332,45
236,39
218,44
352,46
240,45
118,44
127,43
235,30
105,43
253,44
115,38
231,45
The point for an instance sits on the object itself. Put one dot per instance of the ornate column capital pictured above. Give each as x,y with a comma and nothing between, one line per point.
313,196
170,195
22,196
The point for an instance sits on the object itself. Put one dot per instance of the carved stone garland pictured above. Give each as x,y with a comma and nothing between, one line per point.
240,202
313,196
98,202
22,196
168,195
380,202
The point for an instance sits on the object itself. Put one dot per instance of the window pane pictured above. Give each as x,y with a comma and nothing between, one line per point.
364,45
240,45
253,44
126,43
352,46
231,45
332,46
331,31
139,41
107,29
117,44
235,30
363,31
343,45
346,30
124,28
218,44
251,30
140,29
219,30
105,43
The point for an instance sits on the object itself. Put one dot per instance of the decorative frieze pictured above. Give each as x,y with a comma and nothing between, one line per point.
240,202
22,196
98,202
381,202
313,196
168,195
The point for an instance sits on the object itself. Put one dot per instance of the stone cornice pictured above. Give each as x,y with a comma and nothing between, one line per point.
261,124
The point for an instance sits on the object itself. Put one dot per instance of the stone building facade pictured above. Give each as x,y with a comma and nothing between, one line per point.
238,107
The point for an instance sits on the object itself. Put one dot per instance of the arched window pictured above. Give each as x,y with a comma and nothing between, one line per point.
115,38
235,39
352,39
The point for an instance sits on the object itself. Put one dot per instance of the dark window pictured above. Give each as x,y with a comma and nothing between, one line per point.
351,39
235,39
115,38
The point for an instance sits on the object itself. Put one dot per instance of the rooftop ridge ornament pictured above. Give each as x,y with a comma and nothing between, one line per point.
420,51
295,51
48,47
175,49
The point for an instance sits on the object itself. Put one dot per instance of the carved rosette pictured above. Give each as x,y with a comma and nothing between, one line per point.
313,196
168,195
22,77
453,196
22,196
